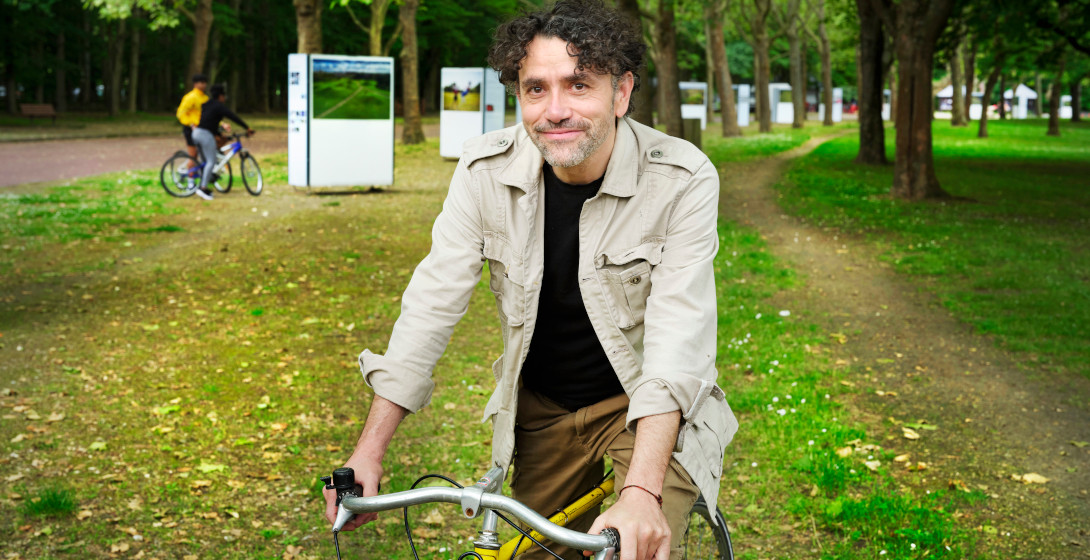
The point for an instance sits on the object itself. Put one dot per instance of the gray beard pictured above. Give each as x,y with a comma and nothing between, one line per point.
595,137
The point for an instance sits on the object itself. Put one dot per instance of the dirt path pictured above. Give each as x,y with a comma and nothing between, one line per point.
994,418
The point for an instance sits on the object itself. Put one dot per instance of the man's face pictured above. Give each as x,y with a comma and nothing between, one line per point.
200,85
568,114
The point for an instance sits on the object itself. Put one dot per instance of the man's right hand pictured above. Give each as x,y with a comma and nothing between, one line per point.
368,475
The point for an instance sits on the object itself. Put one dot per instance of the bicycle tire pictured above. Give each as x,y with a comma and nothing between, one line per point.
705,537
218,181
251,175
175,179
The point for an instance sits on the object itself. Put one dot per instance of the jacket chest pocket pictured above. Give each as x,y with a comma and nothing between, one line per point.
506,279
625,277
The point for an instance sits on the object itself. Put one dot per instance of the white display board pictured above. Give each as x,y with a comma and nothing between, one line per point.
742,100
886,102
471,103
838,106
1065,107
779,99
298,119
694,102
349,128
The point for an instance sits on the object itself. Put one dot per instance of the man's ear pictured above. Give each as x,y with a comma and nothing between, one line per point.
623,94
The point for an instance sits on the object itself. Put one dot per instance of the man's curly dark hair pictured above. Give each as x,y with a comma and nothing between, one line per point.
603,40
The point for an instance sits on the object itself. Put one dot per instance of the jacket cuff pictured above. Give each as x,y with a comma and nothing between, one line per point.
395,382
651,397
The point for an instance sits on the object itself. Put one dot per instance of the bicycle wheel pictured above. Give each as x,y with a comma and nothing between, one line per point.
702,538
175,176
222,180
251,175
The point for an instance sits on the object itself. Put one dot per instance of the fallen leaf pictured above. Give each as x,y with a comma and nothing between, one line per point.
18,438
208,467
873,465
909,433
844,451
31,415
435,517
449,406
119,547
901,458
84,514
278,427
1080,443
97,446
55,417
13,478
198,484
1029,478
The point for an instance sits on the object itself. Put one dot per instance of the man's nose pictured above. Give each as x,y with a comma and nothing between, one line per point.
558,108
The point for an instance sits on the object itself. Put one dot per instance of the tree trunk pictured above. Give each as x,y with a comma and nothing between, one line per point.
761,78
985,100
872,41
413,132
1076,99
970,78
957,105
709,67
86,84
134,64
917,25
308,25
1040,94
1054,100
666,65
202,27
115,52
826,50
797,78
894,71
263,83
61,73
378,20
1002,97
214,55
728,111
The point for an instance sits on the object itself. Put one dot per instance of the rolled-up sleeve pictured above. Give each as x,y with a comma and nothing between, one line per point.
680,322
435,300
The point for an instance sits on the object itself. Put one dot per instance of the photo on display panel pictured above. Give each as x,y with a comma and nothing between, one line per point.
462,95
351,89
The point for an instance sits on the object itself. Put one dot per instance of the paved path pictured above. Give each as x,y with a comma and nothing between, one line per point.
58,160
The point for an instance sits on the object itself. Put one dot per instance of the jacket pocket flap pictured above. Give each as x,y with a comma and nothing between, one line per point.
650,252
497,248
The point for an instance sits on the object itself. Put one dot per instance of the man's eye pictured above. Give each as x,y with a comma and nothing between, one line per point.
579,87
536,90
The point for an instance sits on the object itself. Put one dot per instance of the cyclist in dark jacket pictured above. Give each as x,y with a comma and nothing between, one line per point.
212,112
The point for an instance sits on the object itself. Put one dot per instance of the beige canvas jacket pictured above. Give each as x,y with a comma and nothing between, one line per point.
646,241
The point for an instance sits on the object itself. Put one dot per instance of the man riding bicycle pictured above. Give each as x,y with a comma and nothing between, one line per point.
204,135
189,111
599,234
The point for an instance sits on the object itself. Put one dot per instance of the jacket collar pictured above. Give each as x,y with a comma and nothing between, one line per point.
523,168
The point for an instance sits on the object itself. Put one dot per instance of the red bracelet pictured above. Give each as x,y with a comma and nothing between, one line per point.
658,498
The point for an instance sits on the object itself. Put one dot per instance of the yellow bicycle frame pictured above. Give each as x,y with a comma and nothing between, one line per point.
518,545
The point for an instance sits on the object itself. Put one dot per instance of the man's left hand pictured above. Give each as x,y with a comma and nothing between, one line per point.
637,516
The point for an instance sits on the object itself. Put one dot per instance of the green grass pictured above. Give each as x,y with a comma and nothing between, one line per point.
50,501
202,379
753,145
1013,262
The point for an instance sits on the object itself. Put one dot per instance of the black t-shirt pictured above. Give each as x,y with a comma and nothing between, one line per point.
212,112
566,362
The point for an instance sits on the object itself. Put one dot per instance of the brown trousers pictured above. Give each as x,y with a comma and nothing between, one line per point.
559,456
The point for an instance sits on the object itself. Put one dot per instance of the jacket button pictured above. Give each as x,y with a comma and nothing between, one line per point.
503,142
656,153
635,280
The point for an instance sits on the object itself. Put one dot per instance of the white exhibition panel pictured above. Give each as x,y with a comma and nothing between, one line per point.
742,101
344,133
495,101
1065,106
783,112
886,102
690,109
298,118
461,111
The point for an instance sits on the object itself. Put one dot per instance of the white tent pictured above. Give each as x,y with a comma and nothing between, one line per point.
1020,100
946,101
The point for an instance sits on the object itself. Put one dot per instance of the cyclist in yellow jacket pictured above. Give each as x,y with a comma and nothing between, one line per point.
189,111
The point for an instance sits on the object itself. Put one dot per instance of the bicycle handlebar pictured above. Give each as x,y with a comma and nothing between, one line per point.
480,501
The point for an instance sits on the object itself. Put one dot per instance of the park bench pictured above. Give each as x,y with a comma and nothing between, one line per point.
32,110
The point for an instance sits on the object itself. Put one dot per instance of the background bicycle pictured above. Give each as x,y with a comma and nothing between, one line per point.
181,175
